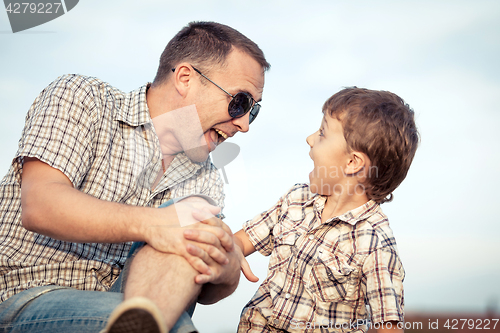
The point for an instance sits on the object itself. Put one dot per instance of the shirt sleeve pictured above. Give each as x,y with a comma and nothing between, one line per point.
384,274
260,229
58,129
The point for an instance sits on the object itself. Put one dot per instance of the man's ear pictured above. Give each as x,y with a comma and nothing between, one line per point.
357,163
183,78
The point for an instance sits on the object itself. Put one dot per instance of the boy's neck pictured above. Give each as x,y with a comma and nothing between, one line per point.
338,204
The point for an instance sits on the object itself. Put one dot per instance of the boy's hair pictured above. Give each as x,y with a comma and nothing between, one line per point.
382,126
205,44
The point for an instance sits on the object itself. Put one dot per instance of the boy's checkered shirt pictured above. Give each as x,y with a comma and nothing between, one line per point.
321,274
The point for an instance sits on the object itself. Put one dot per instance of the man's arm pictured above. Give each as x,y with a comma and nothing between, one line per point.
51,206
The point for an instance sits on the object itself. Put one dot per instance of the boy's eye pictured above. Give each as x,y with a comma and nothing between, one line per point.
320,132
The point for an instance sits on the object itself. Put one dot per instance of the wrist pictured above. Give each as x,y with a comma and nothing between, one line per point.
238,242
138,221
151,219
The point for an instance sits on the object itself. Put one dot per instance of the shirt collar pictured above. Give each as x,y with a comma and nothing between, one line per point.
353,216
180,169
133,109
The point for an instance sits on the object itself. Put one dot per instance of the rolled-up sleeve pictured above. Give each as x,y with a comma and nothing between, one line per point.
259,229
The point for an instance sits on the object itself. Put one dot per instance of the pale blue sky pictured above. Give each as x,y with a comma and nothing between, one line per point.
440,56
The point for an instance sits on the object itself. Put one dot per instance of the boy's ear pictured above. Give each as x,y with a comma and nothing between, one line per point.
357,163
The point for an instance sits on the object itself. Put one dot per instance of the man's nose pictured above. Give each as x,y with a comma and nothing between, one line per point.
243,123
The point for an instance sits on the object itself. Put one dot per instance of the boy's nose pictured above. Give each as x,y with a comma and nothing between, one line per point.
310,140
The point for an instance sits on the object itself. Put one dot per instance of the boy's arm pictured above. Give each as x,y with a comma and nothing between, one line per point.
383,270
243,241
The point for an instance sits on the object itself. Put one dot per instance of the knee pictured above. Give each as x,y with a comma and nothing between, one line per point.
149,260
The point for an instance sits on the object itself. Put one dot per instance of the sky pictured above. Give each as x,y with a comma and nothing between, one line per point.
441,57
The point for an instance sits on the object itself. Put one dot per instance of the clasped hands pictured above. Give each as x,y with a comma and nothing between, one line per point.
204,241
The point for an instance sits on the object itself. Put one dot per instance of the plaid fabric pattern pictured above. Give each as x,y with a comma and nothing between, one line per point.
103,140
321,274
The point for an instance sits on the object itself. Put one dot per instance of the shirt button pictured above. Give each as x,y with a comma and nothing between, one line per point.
276,322
311,237
287,296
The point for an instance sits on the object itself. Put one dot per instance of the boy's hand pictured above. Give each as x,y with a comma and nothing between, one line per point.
211,221
228,245
245,267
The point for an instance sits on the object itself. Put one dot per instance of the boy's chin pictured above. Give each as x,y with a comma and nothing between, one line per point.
313,188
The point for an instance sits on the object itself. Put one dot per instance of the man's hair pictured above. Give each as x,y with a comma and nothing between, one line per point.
205,44
382,126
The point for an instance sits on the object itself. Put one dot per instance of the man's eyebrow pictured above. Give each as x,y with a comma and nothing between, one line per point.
247,92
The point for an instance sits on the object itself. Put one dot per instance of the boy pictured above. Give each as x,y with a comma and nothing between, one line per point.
332,250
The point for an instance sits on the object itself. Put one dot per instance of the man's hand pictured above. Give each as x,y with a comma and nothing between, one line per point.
232,251
210,243
170,239
224,279
194,209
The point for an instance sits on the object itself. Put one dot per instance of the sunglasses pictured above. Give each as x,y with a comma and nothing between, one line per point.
240,104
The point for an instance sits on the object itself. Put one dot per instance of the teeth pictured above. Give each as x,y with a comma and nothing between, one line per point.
224,135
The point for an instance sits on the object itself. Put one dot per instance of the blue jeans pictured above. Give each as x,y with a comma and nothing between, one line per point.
56,309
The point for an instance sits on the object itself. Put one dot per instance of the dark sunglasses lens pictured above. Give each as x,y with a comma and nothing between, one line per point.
240,104
254,112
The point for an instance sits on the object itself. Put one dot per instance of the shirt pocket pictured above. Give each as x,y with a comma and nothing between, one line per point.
333,280
284,249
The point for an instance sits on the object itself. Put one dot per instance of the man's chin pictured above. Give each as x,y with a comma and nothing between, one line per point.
198,154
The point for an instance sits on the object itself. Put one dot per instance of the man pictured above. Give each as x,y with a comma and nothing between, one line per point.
92,166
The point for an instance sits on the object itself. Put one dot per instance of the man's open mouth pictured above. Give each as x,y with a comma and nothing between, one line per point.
222,136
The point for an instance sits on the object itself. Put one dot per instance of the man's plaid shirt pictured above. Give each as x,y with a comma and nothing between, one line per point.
321,274
103,140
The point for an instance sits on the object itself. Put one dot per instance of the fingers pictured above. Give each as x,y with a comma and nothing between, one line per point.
206,248
247,271
203,278
226,228
202,209
199,234
196,262
201,204
203,257
214,210
227,242
213,221
206,218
